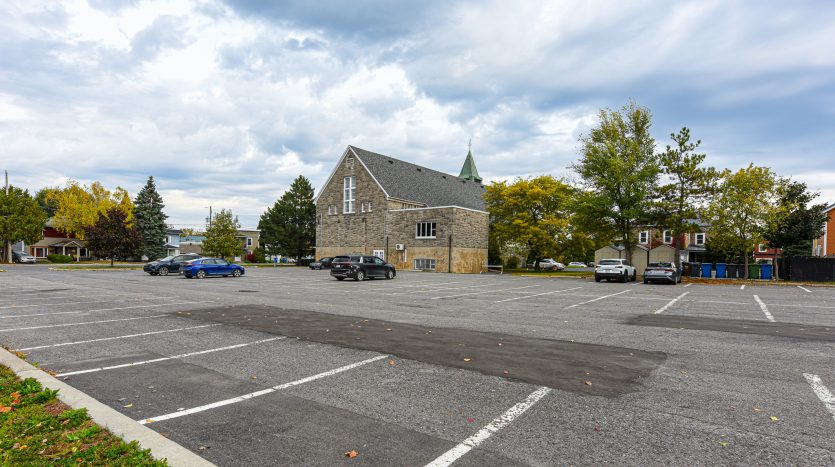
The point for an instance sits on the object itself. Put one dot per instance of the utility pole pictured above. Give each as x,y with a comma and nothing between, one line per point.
7,250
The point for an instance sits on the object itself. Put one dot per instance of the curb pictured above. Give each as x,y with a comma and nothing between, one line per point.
118,424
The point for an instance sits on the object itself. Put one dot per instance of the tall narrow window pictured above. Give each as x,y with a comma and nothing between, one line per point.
350,195
700,239
643,237
668,237
369,206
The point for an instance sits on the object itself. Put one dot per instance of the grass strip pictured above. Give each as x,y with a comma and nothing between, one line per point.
38,429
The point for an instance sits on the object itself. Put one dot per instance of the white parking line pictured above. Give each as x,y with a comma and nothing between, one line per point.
822,392
117,337
764,308
102,309
804,289
537,295
79,324
32,305
598,298
262,392
671,303
688,285
161,359
484,292
483,434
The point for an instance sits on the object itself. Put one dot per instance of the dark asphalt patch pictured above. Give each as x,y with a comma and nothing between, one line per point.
739,326
248,291
570,366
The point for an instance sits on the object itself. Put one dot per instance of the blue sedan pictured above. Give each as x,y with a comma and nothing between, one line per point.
203,267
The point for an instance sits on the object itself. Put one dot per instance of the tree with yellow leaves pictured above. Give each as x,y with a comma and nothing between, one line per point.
79,206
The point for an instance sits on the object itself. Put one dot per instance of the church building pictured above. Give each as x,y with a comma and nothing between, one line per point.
411,216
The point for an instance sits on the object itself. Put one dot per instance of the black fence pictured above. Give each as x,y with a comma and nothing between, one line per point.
802,268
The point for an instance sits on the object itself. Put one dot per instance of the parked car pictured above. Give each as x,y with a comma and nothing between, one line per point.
619,269
324,263
169,264
549,264
200,268
577,264
663,272
360,267
23,258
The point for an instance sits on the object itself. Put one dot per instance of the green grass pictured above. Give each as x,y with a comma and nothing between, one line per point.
38,429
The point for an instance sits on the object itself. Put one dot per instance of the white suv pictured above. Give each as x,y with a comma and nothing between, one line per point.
619,269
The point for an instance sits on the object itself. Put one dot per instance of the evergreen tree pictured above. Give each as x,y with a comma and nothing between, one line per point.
289,227
222,236
149,220
112,236
20,219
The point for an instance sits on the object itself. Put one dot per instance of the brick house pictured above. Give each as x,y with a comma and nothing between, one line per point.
56,242
411,216
825,245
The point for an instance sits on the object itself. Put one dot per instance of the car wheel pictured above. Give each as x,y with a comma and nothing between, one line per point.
596,278
163,271
360,276
236,273
340,278
625,277
646,281
201,274
389,274
634,276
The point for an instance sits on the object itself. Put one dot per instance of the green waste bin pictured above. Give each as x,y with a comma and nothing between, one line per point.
753,271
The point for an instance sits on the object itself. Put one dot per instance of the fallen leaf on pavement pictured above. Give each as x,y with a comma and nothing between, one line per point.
757,410
128,406
597,428
388,329
587,383
505,372
470,419
774,419
723,443
467,359
351,454
391,362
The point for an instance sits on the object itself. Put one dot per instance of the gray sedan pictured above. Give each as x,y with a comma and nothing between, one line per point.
662,272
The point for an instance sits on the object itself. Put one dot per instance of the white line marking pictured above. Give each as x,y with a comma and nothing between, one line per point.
822,392
804,289
688,285
79,324
742,287
764,309
483,292
262,392
598,298
671,303
536,295
483,434
117,337
161,359
102,309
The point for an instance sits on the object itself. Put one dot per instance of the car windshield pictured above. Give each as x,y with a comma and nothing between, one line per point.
609,262
660,265
342,259
167,258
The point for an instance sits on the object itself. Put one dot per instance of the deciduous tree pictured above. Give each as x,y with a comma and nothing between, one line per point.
795,223
150,220
112,236
79,206
741,210
533,212
289,226
20,218
619,172
222,236
46,199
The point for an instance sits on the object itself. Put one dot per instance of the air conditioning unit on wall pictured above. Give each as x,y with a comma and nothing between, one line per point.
399,246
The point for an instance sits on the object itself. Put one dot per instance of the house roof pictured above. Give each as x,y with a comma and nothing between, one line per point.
64,243
173,231
829,208
411,182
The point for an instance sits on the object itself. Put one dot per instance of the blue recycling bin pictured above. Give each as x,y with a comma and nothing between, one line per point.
706,267
720,270
765,271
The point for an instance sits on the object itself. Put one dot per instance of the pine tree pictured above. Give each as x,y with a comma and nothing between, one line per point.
289,227
149,220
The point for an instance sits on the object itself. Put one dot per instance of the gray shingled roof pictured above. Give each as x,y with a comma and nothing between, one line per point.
412,182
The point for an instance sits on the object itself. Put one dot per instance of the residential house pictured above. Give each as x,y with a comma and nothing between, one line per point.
172,241
56,242
411,216
249,238
825,245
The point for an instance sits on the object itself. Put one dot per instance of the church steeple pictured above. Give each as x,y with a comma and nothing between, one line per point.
469,172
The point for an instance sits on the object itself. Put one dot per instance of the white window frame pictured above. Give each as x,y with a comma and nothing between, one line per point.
702,236
762,248
425,264
665,234
349,195
380,254
248,241
426,229
362,206
369,206
643,237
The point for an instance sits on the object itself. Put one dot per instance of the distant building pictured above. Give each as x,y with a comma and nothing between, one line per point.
411,216
249,237
825,245
54,241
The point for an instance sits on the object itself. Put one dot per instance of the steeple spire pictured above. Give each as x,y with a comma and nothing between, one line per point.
469,172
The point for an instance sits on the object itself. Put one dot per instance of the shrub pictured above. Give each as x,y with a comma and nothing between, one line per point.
56,258
511,262
259,255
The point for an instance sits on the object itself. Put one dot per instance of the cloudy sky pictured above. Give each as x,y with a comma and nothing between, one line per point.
224,103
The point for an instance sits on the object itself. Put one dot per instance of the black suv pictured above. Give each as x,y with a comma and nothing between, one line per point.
360,267
169,264
324,263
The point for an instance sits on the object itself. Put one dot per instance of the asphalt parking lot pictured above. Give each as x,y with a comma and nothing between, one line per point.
288,366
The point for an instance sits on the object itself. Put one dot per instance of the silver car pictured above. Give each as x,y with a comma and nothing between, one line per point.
21,257
662,272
